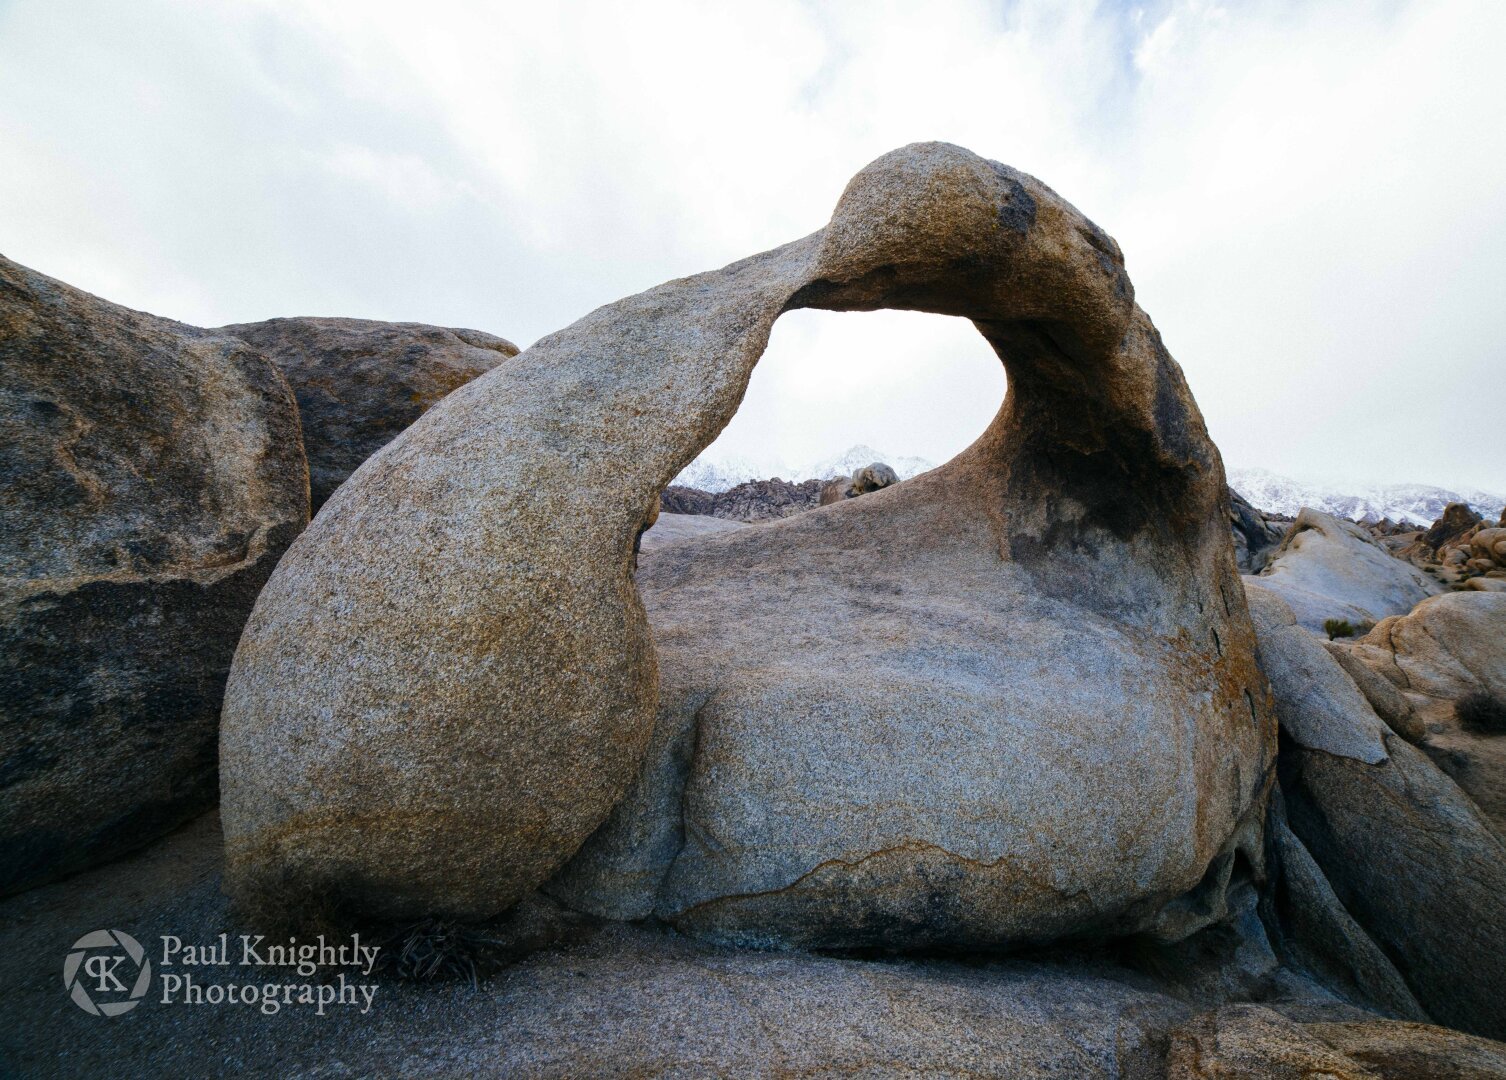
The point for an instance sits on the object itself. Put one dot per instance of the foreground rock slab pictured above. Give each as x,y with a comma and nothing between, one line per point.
1249,1042
625,1002
629,1002
360,382
152,475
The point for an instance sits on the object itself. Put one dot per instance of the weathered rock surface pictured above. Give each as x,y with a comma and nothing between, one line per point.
1331,569
784,804
1389,703
1395,838
1317,703
1401,843
1490,544
1313,931
1052,722
679,528
864,481
836,489
1443,649
1251,1042
1447,648
624,1002
360,382
1255,535
152,476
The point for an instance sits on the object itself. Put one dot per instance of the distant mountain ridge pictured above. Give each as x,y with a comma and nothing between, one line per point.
716,473
1418,504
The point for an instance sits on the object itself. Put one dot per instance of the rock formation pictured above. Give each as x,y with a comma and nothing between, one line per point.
1456,520
152,475
680,528
1330,569
1446,650
360,382
754,500
1489,546
868,479
872,478
1400,842
1256,535
630,1001
1393,837
1051,724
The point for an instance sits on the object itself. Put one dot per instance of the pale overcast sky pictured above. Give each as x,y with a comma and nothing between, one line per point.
1311,196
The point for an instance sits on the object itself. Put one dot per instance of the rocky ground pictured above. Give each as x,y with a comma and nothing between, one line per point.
632,1001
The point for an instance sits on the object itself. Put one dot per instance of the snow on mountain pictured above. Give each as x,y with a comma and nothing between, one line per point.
1419,504
716,473
708,473
860,455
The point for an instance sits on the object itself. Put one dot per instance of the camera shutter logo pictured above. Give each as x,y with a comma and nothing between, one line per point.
107,983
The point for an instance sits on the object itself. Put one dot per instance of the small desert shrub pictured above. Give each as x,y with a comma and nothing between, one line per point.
1481,712
441,949
1337,628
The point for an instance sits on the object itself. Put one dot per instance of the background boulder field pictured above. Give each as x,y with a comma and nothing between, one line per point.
1330,569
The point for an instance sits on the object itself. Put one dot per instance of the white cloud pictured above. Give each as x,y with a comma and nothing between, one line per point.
1310,197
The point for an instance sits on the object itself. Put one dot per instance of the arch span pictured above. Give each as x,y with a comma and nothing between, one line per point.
451,680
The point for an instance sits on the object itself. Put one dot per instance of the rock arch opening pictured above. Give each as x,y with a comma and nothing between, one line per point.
909,388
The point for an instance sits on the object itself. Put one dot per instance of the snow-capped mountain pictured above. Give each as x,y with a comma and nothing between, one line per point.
708,473
1419,504
716,473
860,455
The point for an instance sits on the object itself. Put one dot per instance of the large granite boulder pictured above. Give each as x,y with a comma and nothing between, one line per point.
1448,654
1456,520
360,382
152,475
1445,648
1396,840
1048,719
1330,569
1490,546
1317,703
1418,865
